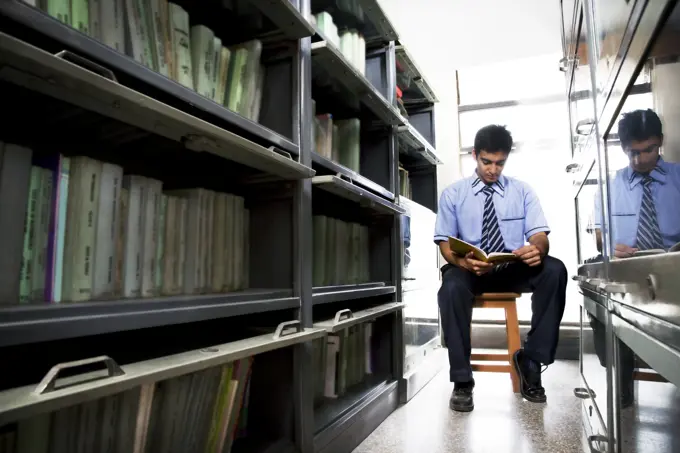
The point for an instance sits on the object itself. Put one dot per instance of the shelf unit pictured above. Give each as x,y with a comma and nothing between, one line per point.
74,96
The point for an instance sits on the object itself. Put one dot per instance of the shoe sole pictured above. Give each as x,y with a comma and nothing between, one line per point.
529,398
453,407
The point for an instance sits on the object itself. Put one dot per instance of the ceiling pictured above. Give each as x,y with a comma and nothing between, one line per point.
473,33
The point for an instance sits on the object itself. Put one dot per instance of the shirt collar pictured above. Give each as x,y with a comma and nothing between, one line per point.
658,174
498,186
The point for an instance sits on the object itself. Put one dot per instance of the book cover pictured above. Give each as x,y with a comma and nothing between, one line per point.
462,248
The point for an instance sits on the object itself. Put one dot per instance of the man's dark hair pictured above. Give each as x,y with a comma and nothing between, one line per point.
639,125
493,139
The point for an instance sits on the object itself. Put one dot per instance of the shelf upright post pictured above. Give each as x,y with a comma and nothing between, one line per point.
396,239
303,253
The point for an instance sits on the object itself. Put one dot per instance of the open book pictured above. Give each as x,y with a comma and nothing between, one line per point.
462,248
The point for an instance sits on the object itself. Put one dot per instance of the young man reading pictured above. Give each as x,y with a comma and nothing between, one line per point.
497,214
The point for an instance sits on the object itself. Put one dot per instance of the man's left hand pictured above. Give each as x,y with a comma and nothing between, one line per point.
530,255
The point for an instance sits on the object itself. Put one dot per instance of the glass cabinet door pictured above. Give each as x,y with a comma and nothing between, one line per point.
581,95
420,283
594,314
642,155
568,31
610,21
642,150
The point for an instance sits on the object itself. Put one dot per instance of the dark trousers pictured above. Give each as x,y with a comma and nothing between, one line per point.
547,282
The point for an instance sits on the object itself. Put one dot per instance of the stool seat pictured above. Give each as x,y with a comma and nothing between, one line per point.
507,302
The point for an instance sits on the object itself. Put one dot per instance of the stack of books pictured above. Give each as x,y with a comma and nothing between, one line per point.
341,252
90,232
159,35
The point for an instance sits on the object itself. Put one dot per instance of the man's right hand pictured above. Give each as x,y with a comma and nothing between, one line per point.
477,267
623,251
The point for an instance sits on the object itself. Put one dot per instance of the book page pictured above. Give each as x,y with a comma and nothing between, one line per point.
501,257
462,248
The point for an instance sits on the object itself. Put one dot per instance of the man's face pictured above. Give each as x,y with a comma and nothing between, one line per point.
644,154
490,165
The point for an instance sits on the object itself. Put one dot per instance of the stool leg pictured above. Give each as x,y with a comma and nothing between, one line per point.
514,341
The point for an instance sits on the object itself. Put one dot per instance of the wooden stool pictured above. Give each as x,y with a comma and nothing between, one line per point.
508,302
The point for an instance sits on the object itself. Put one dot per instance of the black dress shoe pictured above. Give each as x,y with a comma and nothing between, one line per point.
461,398
530,377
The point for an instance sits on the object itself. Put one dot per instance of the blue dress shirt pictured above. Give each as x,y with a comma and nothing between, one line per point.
461,209
625,192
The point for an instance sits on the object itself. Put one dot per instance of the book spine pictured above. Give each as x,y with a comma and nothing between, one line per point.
161,234
120,240
237,251
145,33
80,15
42,234
60,230
135,39
169,255
229,232
202,55
60,10
151,230
112,16
107,231
134,237
208,239
181,46
215,67
219,243
158,13
181,262
29,235
95,19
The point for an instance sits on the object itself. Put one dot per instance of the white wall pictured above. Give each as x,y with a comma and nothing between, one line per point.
446,35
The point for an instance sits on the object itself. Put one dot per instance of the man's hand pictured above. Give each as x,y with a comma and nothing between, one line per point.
623,251
477,267
530,255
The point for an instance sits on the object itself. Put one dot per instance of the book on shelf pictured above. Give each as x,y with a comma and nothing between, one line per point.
180,45
112,22
80,15
339,252
462,248
342,360
404,183
338,140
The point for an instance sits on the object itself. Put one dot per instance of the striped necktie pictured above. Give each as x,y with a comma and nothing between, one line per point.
648,233
492,240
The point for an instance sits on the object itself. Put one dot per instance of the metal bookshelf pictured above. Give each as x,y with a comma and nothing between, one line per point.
83,98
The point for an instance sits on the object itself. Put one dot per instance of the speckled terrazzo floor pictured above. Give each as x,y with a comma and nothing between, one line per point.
501,422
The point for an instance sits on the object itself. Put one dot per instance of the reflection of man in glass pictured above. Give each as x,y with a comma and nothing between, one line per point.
644,198
645,195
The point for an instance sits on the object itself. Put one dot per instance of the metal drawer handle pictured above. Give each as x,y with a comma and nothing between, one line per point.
563,64
345,178
571,168
343,315
616,287
48,383
652,285
596,438
587,122
86,64
287,328
583,393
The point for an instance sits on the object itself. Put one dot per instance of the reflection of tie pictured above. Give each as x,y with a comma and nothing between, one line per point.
492,240
648,233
